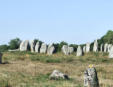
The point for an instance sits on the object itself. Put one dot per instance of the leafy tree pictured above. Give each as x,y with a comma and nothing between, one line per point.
56,45
14,43
108,38
74,46
37,40
61,44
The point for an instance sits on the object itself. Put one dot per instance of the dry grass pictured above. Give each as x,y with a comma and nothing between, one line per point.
25,69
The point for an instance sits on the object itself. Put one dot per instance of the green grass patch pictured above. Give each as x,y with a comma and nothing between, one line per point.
46,59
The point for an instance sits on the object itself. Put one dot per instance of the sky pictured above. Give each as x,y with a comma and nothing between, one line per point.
73,21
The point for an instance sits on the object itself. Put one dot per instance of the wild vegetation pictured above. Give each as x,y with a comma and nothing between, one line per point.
26,69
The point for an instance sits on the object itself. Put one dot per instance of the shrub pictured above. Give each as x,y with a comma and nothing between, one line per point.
3,48
45,59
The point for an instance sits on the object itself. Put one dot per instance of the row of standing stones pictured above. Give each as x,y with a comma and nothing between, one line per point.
36,47
43,48
66,49
107,48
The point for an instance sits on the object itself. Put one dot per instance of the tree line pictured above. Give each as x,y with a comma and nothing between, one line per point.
15,43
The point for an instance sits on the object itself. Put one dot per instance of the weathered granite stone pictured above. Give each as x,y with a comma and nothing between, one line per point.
101,47
87,47
111,52
24,45
32,46
1,58
37,46
50,49
84,49
90,77
79,51
57,75
65,49
43,48
70,50
95,47
106,47
109,47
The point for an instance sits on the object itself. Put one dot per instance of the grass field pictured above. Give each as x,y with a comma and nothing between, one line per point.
25,69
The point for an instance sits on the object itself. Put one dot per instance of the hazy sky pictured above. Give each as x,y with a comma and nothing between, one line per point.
73,21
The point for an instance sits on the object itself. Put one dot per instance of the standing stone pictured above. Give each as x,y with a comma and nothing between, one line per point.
84,49
50,49
65,49
90,77
43,48
101,47
87,47
24,45
0,58
70,50
37,47
32,46
111,52
106,48
109,47
95,47
79,51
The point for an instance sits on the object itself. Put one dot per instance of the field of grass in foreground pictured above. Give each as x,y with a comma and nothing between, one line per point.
26,69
